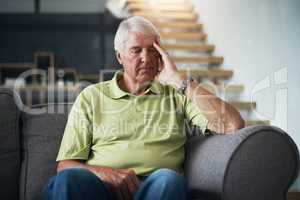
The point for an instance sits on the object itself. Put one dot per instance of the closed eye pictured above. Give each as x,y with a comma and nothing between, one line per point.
153,50
135,50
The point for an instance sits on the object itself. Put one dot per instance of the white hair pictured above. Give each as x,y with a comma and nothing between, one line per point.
134,24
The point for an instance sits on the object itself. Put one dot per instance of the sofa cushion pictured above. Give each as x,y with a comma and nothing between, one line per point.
9,145
42,131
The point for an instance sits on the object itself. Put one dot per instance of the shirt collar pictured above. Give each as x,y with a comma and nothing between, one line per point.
116,92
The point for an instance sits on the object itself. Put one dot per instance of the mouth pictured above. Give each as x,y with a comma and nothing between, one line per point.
144,69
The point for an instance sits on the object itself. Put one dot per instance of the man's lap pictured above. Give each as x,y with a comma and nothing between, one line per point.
161,179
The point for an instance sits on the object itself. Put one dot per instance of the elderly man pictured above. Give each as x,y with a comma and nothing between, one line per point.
125,138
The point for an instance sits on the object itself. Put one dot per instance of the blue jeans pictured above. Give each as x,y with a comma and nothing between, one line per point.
75,184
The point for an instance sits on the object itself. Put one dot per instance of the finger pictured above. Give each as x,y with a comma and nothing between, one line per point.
160,65
132,179
160,50
123,186
135,179
135,183
158,40
126,194
130,185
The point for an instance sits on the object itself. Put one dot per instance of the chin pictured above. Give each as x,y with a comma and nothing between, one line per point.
145,78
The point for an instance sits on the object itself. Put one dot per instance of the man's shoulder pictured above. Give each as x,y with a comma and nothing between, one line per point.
97,87
95,90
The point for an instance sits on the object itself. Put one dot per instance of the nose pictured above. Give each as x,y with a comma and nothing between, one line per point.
145,56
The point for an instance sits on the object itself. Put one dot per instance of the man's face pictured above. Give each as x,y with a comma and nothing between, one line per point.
139,58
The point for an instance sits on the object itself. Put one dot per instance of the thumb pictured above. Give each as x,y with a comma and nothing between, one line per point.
160,65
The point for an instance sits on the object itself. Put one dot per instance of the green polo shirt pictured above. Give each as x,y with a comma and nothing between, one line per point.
110,127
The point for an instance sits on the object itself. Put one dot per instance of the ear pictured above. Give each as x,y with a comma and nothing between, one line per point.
118,56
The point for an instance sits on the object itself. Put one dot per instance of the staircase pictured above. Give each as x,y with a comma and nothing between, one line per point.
184,39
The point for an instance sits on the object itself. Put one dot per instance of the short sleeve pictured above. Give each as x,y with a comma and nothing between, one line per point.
77,138
194,115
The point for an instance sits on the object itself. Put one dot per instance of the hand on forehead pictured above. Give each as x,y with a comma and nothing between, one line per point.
140,39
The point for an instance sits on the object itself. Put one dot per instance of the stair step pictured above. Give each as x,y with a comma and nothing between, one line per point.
207,73
190,47
241,105
233,88
168,15
183,36
170,19
184,26
150,7
209,59
168,2
257,122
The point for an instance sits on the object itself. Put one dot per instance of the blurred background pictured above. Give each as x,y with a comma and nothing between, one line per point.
246,52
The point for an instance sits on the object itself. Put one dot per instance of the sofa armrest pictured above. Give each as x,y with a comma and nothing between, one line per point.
10,149
257,162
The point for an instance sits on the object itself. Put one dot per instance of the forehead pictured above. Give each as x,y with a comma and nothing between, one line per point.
139,40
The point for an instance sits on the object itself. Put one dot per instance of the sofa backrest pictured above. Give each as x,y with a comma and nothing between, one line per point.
9,145
42,130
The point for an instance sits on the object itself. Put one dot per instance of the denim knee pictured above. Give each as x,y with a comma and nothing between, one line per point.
163,184
168,176
73,175
75,183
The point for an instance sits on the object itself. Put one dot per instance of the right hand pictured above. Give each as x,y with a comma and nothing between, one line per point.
122,182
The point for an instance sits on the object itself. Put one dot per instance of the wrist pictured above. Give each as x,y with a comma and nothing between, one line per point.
177,81
185,84
98,170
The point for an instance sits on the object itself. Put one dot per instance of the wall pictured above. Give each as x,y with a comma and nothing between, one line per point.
260,40
9,6
53,6
80,33
72,6
82,41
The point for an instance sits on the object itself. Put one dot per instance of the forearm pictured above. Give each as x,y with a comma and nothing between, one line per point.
222,117
65,164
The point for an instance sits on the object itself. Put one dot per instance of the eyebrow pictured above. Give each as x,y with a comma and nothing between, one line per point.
135,47
139,47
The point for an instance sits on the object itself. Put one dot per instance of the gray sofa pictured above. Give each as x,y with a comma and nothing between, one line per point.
256,163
